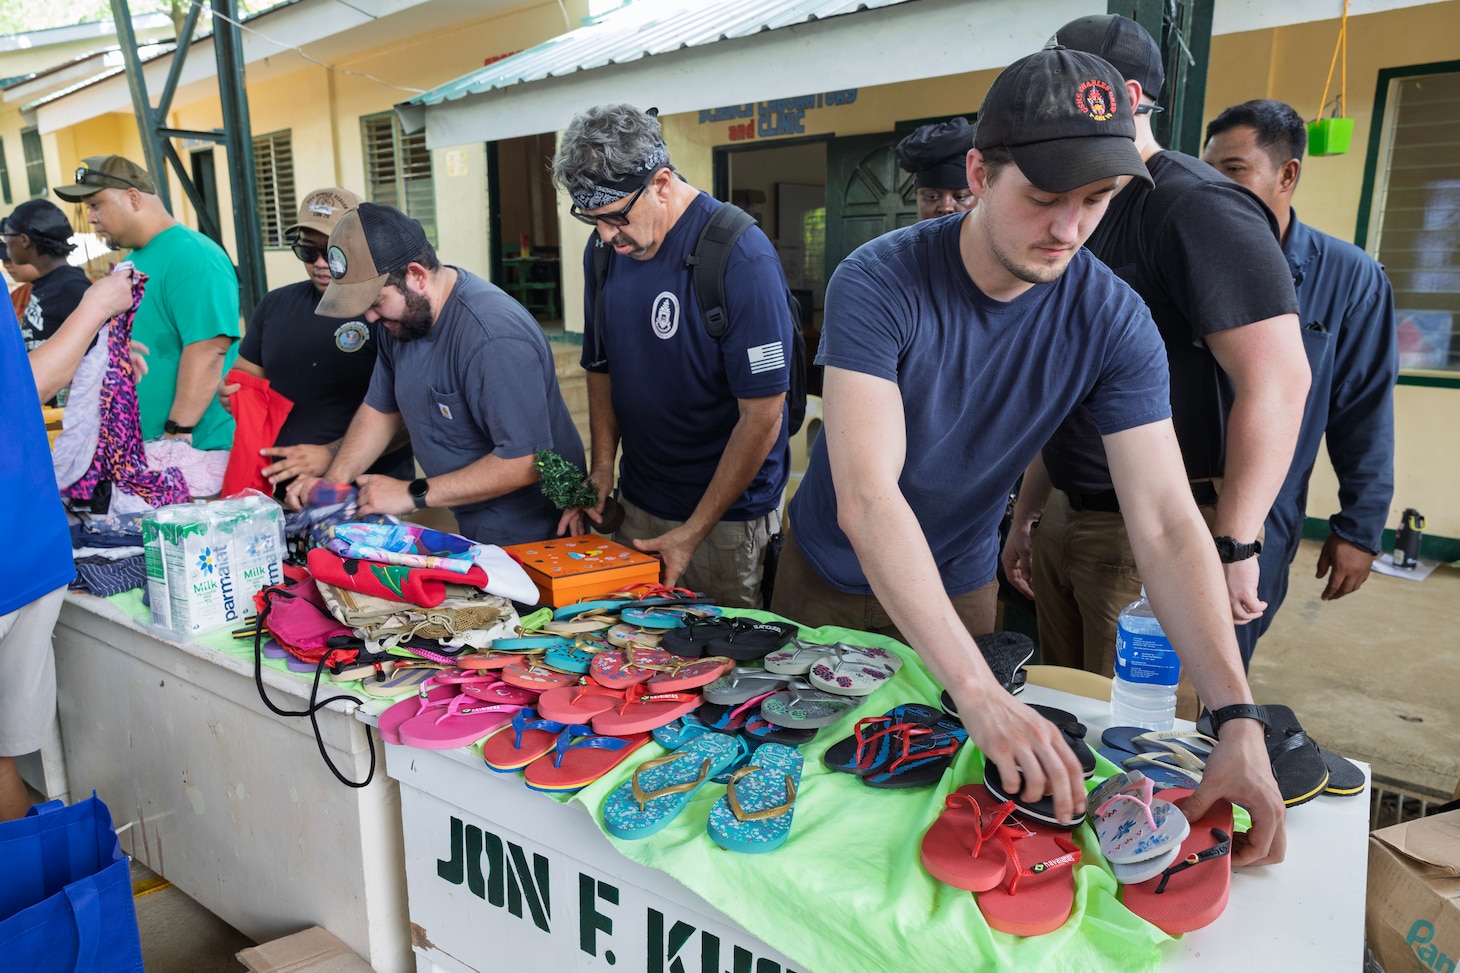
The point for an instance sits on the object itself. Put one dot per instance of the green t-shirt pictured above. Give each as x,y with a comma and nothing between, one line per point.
192,295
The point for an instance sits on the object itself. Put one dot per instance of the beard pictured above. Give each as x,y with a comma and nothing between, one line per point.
415,322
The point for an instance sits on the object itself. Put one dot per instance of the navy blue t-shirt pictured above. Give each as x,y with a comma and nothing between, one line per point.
674,387
984,383
481,381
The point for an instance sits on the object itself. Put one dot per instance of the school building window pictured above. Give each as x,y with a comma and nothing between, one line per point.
398,170
4,175
273,163
35,162
1414,223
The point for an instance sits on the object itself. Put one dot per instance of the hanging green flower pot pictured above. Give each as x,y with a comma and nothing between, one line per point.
1330,136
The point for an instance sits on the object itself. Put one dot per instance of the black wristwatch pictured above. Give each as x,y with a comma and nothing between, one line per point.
418,489
1238,711
173,429
1231,552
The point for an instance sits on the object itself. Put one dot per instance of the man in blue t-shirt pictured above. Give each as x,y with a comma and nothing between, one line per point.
461,367
953,348
702,421
1346,307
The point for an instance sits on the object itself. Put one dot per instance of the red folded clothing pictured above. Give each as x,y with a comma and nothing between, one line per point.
423,587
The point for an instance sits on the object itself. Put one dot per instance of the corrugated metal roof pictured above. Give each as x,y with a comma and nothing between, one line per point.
643,29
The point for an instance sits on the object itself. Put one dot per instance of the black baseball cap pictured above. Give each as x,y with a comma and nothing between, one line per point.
1121,41
1064,117
39,219
936,154
367,245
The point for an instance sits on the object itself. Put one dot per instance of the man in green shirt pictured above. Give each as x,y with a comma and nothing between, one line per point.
189,317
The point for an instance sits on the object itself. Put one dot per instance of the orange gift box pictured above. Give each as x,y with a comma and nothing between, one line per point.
571,569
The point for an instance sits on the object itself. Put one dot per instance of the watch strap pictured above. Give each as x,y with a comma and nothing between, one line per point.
1238,711
418,489
1230,551
173,429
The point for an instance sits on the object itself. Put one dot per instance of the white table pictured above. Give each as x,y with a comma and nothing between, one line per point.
226,800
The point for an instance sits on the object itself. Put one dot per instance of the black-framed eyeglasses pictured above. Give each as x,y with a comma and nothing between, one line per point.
92,177
307,253
1148,109
619,217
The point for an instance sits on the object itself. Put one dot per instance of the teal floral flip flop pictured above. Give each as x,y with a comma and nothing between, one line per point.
755,814
661,788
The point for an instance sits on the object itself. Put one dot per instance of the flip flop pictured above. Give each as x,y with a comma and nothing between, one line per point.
529,738
1297,763
531,644
676,733
1192,892
1162,773
1190,748
620,668
660,788
494,660
1040,811
743,682
578,759
528,675
920,760
1038,886
692,639
388,724
760,730
1074,733
756,812
966,846
867,750
579,703
571,658
641,712
797,658
1350,778
499,692
666,616
690,674
403,680
749,639
627,636
730,719
1131,822
461,721
1006,653
805,709
654,593
592,620
849,670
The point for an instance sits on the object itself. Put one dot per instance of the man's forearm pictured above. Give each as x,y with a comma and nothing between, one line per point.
483,479
602,423
1262,431
199,370
1033,492
751,440
370,433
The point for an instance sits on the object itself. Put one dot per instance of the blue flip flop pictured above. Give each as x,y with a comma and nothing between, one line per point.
660,788
1162,773
754,816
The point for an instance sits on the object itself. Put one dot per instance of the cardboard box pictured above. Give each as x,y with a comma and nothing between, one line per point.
311,951
569,569
1413,914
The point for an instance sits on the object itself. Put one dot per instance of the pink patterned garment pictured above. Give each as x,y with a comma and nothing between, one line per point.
119,453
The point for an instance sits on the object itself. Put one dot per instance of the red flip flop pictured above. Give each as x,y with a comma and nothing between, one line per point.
1192,892
620,668
967,846
690,674
1038,887
577,759
526,675
578,704
524,740
641,712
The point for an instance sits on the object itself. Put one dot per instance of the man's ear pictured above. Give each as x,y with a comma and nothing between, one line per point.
977,173
1133,94
1288,175
416,277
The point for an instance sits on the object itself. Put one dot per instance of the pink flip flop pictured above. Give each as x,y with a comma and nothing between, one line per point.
527,675
464,722
619,668
578,704
641,712
499,692
390,721
690,674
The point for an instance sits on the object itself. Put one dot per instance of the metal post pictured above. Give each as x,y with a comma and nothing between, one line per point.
137,85
228,45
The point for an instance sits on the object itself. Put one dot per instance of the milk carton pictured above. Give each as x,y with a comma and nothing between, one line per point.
205,562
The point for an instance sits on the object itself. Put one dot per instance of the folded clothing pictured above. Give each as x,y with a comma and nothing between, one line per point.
424,587
105,578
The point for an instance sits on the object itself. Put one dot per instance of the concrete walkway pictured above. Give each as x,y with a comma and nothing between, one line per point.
1372,676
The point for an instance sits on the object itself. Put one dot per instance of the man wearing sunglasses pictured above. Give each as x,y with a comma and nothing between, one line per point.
701,420
321,364
188,318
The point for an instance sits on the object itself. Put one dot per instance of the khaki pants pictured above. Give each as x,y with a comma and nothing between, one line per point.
1084,574
802,596
28,683
729,563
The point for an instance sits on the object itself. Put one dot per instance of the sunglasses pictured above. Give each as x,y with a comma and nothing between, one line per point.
619,217
85,176
307,253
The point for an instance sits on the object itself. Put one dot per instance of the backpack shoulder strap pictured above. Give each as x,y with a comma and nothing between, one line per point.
709,260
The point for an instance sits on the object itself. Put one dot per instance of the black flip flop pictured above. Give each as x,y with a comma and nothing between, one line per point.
693,638
842,755
749,639
1349,779
1297,763
1006,653
1041,810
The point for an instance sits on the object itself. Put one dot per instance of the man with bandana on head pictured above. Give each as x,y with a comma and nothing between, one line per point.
461,367
936,156
702,421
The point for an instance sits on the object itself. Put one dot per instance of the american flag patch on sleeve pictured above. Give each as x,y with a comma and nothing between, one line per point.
766,358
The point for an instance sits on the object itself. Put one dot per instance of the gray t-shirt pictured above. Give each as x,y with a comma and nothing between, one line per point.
481,381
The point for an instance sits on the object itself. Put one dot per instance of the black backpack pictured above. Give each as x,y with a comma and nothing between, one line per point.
707,264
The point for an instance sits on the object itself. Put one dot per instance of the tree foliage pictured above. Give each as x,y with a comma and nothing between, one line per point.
21,16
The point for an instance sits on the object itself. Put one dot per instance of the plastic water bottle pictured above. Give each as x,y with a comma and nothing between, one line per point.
1146,670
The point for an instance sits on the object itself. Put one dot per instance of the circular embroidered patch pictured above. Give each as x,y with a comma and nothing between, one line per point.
664,315
1096,100
338,264
351,336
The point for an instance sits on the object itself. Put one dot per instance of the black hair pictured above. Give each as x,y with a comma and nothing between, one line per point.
995,157
1281,131
426,258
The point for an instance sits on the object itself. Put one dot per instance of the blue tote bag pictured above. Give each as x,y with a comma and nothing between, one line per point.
66,898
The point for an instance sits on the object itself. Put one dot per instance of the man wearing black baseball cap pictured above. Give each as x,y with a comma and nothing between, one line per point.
953,349
37,233
937,158
188,319
1204,255
461,367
